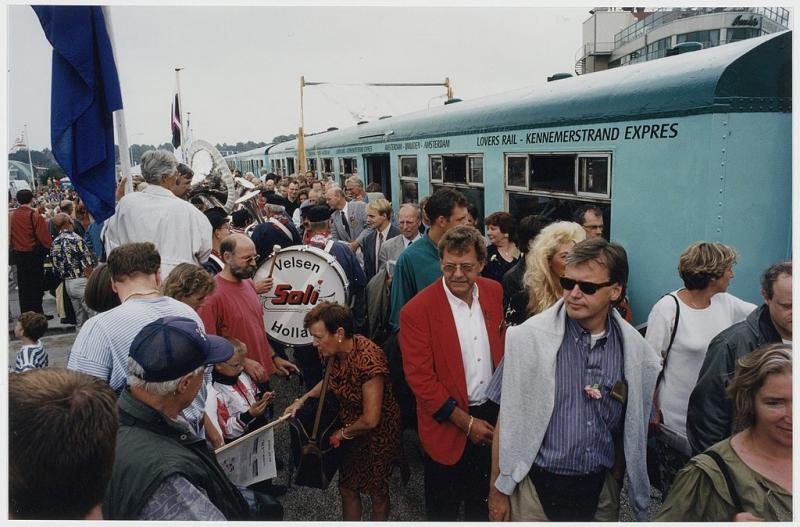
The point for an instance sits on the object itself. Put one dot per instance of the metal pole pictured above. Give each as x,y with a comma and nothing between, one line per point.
119,118
30,163
301,147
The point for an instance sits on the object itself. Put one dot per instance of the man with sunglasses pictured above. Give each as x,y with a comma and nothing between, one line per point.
451,337
577,391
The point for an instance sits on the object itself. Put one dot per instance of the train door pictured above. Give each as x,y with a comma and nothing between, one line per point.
289,166
378,172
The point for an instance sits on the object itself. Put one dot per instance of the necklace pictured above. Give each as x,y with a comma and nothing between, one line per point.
140,293
689,300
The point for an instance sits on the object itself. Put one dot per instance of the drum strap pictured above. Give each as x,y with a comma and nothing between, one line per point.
282,227
329,245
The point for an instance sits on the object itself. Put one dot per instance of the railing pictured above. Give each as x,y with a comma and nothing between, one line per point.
665,15
592,48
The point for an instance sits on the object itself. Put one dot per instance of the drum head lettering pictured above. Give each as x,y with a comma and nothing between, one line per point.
303,276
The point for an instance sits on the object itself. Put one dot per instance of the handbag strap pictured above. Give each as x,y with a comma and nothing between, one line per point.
726,473
671,338
321,402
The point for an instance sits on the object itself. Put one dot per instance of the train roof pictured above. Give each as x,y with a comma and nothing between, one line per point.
255,152
750,75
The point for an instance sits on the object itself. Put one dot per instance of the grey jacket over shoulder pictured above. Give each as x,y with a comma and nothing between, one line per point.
529,398
710,414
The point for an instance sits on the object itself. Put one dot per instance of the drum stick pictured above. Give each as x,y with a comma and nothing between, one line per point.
275,249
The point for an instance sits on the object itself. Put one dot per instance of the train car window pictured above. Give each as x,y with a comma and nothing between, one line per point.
408,167
593,172
290,165
454,169
476,170
409,191
436,168
327,165
517,171
312,164
553,172
348,165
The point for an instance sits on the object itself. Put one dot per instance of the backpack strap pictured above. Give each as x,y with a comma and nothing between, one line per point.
723,467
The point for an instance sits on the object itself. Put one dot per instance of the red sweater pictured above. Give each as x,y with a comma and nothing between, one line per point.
22,230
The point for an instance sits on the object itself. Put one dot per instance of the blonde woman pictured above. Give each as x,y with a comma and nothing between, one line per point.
545,263
189,283
701,309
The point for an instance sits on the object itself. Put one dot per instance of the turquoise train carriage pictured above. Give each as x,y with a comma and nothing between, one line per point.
690,147
250,161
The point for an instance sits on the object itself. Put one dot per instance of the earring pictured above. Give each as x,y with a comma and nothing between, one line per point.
340,341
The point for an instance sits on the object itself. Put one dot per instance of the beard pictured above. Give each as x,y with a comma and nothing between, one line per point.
243,273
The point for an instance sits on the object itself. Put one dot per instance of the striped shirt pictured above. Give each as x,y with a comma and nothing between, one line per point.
29,357
580,436
104,342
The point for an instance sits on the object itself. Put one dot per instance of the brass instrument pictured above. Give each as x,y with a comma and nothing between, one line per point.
213,181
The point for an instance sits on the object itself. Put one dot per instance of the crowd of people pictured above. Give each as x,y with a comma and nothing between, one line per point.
511,355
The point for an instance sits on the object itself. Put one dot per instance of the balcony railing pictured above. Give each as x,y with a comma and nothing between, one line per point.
666,15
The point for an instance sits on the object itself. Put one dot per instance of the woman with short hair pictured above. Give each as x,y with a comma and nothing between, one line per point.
188,283
502,250
757,458
696,312
360,381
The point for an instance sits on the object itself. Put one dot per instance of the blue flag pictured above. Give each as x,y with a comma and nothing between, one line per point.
85,92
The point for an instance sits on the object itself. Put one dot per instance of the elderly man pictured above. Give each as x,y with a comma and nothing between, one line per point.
313,199
234,310
408,220
451,337
578,387
184,183
180,231
354,189
103,344
349,218
163,471
74,262
710,415
45,482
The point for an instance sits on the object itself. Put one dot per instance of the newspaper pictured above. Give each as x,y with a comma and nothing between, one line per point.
251,458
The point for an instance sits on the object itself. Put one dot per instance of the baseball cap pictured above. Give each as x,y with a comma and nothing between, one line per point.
171,347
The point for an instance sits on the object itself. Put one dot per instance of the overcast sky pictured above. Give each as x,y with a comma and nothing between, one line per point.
243,64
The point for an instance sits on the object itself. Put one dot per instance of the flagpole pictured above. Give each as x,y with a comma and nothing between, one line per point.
30,163
180,110
119,116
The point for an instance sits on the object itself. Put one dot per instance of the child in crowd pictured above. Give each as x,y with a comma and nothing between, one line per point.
240,408
30,327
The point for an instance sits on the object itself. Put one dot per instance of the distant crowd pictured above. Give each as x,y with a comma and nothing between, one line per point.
511,355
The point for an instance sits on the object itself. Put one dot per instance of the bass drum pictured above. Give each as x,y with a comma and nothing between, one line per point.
303,276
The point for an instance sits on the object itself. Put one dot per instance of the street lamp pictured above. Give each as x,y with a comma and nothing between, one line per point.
130,144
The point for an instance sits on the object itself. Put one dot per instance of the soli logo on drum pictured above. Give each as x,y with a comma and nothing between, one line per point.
285,296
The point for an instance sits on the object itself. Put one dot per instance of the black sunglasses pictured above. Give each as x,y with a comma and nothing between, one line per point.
587,288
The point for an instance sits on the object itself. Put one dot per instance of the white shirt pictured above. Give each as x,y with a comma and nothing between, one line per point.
180,232
475,351
696,329
378,243
408,242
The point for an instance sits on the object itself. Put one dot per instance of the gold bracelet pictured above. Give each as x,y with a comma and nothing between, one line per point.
345,436
469,428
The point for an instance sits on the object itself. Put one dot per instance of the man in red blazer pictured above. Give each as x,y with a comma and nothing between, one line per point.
451,337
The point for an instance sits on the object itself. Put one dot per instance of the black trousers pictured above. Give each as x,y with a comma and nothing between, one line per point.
447,486
30,280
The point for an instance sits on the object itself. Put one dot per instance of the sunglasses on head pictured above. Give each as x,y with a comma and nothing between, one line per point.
587,288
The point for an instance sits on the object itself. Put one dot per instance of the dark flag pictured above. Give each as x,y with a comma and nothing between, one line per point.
85,93
176,123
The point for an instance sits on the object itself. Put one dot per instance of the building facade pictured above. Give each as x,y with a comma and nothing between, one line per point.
614,37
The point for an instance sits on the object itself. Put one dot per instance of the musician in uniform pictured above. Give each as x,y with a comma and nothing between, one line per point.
221,228
277,229
319,218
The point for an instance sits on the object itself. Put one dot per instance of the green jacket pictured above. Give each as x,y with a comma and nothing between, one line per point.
150,449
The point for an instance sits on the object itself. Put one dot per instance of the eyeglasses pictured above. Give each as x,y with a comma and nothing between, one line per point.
587,288
465,268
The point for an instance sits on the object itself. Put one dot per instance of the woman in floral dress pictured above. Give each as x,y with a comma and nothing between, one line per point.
369,412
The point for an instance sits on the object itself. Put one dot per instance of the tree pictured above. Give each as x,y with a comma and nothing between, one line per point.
283,138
